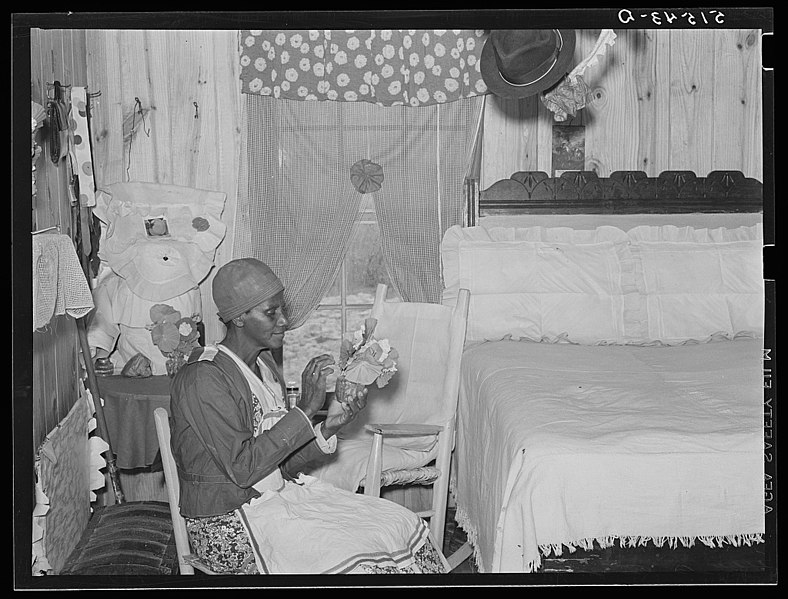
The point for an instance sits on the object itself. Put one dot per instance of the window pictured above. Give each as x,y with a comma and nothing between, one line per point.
297,212
347,302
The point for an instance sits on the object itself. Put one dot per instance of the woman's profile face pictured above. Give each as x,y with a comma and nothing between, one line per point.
266,324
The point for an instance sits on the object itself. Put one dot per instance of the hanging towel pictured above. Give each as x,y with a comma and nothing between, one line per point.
59,284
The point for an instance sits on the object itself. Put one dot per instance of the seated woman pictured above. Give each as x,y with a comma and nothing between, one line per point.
239,452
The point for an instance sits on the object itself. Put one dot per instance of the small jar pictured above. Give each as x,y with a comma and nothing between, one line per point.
103,367
293,394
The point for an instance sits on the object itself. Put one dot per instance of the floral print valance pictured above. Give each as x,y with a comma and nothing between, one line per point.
394,67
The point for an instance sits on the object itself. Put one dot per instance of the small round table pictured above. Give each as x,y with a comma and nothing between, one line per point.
128,410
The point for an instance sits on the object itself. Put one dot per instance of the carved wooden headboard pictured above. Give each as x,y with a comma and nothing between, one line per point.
623,192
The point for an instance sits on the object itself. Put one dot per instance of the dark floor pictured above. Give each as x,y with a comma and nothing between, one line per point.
453,538
698,559
149,547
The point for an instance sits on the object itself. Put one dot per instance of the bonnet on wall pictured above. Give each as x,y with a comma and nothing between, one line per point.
161,239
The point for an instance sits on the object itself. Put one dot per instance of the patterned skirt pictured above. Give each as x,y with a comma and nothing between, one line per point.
222,543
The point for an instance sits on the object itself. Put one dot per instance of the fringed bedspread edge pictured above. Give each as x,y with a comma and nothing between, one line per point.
464,522
712,541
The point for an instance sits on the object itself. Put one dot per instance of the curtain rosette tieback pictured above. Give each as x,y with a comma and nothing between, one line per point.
366,176
398,67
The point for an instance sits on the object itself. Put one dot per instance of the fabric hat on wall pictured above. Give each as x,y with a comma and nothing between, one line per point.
517,63
161,238
162,269
241,284
139,210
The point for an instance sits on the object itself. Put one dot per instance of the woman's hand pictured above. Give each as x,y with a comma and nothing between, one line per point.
349,400
313,384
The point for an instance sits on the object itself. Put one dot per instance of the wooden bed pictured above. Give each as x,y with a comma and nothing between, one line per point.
612,385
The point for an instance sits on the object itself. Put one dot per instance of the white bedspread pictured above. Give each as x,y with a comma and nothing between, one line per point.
560,445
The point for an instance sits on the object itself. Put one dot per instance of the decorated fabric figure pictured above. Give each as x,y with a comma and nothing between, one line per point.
122,326
158,244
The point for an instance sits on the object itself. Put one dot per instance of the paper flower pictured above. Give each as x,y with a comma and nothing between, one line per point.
573,93
175,336
165,336
365,360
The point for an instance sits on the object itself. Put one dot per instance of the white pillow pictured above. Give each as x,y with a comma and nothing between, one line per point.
693,290
537,290
651,284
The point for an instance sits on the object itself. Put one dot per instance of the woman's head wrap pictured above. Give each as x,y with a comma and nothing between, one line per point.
241,284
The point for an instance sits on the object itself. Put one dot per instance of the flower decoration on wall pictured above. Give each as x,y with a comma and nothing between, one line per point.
573,93
200,224
365,360
366,176
174,335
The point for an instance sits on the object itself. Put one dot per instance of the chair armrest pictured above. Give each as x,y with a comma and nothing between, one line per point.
404,429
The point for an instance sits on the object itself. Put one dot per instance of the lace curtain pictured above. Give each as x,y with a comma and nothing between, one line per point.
412,67
297,203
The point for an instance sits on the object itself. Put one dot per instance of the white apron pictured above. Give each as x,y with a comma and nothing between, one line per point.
312,527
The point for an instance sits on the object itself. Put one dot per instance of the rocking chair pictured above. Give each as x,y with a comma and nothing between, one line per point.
405,435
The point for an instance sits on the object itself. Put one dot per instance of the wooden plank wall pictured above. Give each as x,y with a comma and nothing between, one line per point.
169,112
56,55
661,100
